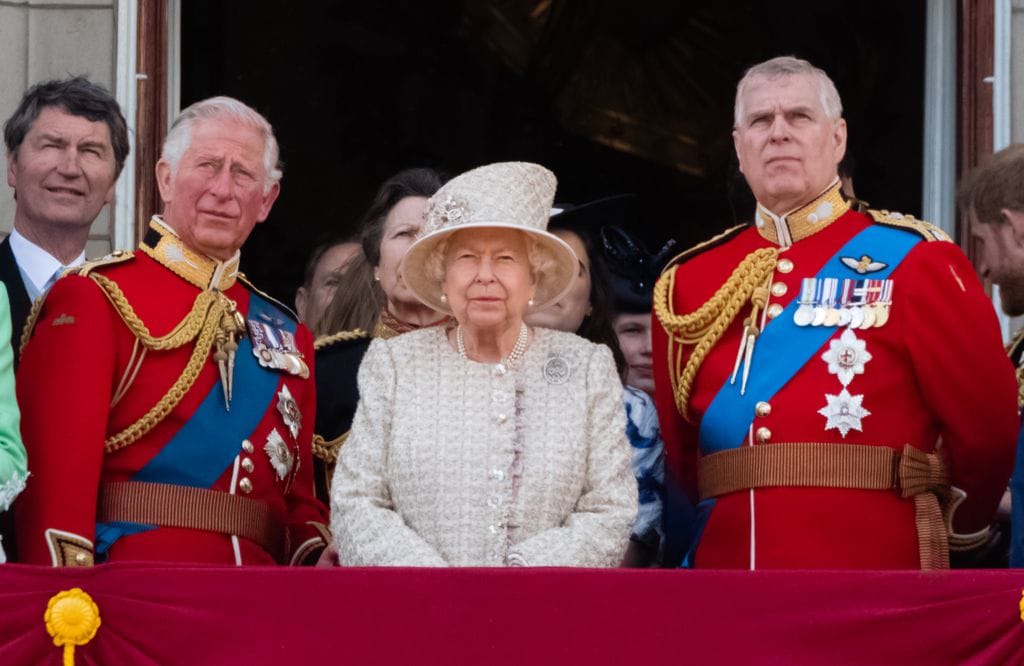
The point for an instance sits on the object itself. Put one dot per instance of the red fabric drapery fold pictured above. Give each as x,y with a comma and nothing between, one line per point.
192,615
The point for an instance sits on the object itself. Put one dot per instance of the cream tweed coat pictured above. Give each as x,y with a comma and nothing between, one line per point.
456,463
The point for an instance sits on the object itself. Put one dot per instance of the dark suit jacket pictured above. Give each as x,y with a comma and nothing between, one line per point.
20,302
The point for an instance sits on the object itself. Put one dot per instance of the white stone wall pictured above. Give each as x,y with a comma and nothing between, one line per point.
47,39
1017,73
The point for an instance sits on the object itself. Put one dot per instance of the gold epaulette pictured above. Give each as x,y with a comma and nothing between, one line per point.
340,336
704,246
284,308
115,257
925,230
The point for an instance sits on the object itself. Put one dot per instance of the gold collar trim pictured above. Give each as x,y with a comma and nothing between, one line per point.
164,246
389,326
794,226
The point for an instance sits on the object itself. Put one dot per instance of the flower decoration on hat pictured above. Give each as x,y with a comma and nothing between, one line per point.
446,212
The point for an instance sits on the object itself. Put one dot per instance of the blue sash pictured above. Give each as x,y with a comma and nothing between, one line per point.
1017,504
783,348
206,445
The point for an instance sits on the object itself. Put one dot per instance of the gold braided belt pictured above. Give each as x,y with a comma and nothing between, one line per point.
703,327
913,473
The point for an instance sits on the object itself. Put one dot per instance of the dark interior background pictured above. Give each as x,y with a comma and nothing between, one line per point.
612,96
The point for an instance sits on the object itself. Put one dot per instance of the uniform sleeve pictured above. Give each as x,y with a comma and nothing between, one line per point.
307,517
65,384
964,375
681,438
682,450
12,451
366,528
597,532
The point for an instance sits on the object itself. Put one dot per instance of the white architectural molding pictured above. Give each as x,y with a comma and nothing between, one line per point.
1002,108
125,90
938,187
173,60
1002,47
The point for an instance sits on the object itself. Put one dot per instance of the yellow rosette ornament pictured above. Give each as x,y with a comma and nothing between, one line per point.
72,618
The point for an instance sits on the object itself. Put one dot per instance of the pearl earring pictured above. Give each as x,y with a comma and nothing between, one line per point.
530,302
444,297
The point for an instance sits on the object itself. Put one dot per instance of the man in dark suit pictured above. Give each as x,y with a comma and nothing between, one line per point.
66,145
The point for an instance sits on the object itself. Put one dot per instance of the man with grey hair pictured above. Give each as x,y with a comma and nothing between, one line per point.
192,420
66,145
808,365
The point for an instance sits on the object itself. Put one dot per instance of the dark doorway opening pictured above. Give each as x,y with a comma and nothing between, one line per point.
613,97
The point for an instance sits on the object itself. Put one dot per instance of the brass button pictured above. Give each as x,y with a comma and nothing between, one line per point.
245,485
763,435
774,310
247,465
779,289
247,446
785,265
762,409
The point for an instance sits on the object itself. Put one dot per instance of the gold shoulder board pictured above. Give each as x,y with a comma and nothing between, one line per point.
704,246
926,230
116,257
340,336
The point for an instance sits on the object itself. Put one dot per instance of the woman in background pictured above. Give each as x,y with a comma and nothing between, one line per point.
587,310
371,301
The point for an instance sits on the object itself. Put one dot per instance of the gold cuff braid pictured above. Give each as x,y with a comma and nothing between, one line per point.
703,327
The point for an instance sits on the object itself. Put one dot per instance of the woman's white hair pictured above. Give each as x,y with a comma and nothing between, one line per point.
789,66
180,135
542,260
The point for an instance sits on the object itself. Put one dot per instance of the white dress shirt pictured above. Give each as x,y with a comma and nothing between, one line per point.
37,266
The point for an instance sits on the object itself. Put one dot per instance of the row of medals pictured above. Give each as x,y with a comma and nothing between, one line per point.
817,310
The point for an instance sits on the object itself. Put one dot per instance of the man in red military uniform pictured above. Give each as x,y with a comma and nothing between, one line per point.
807,366
167,405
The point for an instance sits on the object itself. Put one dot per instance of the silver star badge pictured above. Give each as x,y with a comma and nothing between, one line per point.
846,356
281,458
844,412
289,411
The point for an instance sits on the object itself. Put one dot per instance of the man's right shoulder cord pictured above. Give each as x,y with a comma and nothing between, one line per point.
211,312
703,327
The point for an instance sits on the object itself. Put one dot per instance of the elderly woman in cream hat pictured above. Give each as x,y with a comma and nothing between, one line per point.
486,443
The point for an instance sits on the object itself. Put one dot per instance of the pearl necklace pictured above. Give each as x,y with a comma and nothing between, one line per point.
518,349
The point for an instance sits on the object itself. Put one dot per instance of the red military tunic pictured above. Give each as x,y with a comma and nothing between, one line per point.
85,376
936,370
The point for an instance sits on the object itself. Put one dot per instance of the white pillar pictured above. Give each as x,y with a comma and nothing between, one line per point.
125,89
938,189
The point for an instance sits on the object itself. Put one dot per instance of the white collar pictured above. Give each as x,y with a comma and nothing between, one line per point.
35,262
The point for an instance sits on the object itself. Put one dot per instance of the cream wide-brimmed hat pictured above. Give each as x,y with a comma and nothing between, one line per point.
506,195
